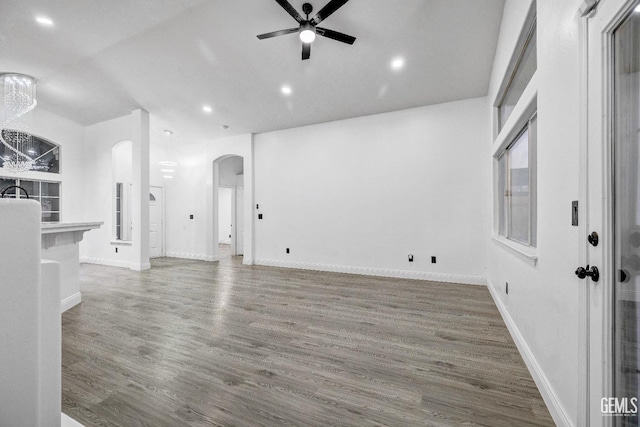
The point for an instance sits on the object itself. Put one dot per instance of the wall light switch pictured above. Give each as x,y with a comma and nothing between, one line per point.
259,216
190,216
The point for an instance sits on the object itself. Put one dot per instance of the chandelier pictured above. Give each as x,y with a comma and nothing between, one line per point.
19,101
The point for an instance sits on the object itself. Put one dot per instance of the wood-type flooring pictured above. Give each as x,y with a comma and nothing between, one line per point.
191,343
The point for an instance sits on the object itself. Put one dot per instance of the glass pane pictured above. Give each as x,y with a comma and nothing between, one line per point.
50,217
50,189
519,205
502,195
525,69
46,154
627,212
4,183
50,204
31,187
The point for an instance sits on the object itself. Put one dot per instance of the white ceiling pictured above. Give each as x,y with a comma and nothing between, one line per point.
103,59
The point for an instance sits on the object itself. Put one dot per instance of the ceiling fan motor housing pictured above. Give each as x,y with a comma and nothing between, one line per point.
307,9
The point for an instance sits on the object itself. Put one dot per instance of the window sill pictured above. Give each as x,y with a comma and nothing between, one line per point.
121,242
526,253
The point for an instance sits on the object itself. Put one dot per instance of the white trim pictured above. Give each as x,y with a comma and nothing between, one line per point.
526,253
116,263
199,257
557,411
525,108
369,271
121,242
71,301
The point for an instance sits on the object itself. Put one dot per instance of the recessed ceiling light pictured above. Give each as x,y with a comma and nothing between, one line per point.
167,170
167,132
207,108
286,90
167,176
167,163
397,64
44,20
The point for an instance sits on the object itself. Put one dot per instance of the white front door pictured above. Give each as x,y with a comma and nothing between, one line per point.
612,183
156,220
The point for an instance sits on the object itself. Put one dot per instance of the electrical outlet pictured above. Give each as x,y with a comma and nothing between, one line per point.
116,250
259,216
190,216
433,260
506,288
410,257
287,250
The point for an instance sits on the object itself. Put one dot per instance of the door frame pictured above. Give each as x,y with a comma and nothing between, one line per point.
162,221
596,189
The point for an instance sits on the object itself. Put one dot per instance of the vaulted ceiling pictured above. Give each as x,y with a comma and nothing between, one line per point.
103,59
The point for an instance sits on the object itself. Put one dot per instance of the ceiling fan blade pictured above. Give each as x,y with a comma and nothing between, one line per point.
306,51
277,33
326,11
290,10
335,35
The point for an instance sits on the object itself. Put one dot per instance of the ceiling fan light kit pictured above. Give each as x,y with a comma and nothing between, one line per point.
308,28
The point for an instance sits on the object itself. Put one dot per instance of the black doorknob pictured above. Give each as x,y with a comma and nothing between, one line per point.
592,272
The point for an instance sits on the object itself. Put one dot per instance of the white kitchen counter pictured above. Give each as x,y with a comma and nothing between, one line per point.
60,243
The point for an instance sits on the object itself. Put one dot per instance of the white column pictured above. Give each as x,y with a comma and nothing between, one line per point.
140,187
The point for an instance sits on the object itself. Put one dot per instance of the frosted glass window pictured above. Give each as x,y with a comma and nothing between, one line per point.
524,68
516,187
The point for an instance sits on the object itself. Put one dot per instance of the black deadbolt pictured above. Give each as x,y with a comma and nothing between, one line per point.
592,272
593,238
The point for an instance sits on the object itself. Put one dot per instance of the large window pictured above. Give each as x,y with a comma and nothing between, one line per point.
46,154
45,192
517,187
515,144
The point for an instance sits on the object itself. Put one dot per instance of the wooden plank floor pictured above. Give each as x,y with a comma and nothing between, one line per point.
193,343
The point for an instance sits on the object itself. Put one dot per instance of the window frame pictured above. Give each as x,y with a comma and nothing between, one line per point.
55,146
505,206
38,198
506,134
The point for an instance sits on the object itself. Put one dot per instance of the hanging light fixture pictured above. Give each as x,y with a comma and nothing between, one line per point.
19,101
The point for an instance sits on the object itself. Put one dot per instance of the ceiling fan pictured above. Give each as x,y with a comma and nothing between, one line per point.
308,27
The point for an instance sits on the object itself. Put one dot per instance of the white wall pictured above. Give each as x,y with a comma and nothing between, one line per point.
541,308
70,137
97,246
193,191
359,195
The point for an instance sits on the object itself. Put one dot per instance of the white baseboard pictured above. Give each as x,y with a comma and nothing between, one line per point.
199,257
116,263
368,271
558,412
71,301
67,421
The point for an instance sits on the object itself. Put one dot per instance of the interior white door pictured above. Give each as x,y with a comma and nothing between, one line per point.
156,221
613,212
239,229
